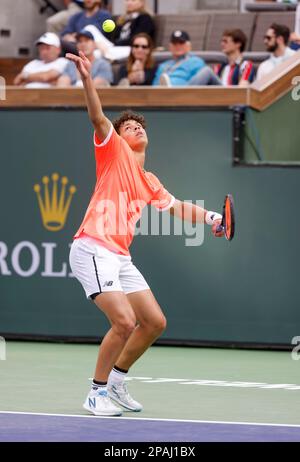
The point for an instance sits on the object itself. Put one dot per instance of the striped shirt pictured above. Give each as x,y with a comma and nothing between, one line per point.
232,74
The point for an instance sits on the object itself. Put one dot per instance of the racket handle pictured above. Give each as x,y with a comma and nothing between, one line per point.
220,228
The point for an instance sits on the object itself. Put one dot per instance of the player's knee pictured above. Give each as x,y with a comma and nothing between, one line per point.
159,324
125,327
163,324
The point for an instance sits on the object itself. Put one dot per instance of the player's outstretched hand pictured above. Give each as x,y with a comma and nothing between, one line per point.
82,63
215,227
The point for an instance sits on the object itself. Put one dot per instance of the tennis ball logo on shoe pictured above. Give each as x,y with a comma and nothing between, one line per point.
108,25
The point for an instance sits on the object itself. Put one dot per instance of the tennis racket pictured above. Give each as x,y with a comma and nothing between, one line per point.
228,220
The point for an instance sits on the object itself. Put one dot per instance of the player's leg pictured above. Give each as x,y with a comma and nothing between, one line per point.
98,271
151,323
116,307
121,316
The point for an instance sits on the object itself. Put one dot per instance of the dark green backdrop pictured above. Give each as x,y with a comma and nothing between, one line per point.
244,291
276,131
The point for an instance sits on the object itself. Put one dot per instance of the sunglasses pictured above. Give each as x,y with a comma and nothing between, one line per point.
268,37
145,47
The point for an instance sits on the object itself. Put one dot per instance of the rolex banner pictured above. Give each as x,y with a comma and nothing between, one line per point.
47,177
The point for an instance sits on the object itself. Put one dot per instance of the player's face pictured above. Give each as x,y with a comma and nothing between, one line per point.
270,41
179,49
86,45
133,5
48,53
135,135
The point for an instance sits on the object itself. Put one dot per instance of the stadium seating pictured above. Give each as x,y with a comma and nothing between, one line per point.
270,6
264,20
196,25
220,22
205,29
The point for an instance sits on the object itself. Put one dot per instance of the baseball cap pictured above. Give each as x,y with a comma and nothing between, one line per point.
179,36
85,33
49,38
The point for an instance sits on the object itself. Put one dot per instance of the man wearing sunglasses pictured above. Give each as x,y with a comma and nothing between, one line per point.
276,42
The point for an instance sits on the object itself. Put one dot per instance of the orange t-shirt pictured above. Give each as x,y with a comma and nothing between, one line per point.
122,190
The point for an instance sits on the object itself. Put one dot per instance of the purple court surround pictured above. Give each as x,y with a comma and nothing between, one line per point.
21,427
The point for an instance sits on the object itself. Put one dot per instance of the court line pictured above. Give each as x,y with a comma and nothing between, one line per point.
218,383
221,422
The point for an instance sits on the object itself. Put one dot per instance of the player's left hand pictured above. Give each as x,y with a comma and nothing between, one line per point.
214,229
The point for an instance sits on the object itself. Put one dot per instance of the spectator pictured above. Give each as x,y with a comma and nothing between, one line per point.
93,14
294,41
183,66
236,72
43,72
295,36
276,41
101,69
57,22
140,68
135,21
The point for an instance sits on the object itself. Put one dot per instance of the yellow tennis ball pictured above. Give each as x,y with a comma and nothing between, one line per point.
108,25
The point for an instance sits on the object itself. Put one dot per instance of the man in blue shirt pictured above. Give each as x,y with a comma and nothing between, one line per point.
183,65
93,14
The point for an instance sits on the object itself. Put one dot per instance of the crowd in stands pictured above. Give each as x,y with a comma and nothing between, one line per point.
184,69
78,28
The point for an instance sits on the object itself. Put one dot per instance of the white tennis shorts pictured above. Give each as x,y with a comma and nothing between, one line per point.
100,270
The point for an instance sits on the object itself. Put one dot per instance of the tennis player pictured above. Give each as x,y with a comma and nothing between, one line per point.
99,255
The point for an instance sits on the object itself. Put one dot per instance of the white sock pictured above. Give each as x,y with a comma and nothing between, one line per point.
98,387
116,377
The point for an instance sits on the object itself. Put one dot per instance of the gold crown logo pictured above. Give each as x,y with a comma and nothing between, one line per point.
54,209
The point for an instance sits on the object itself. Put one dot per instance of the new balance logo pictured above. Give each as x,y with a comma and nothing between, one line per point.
92,402
108,283
114,390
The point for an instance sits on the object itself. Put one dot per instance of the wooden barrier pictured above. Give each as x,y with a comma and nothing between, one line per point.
259,95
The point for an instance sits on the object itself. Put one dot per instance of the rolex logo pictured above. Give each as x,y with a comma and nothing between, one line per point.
55,202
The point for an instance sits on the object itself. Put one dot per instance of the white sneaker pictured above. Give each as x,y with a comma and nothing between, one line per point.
120,395
165,80
98,403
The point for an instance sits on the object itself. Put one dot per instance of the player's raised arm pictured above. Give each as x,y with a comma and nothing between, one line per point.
195,214
100,122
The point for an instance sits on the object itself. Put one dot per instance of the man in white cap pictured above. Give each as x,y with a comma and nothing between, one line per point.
43,72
